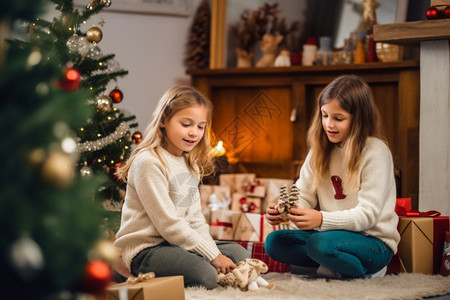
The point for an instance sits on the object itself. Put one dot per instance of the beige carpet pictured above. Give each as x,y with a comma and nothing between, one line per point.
288,286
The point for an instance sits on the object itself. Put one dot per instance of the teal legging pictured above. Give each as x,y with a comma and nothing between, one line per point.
351,254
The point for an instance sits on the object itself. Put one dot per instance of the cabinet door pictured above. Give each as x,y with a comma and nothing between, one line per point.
254,123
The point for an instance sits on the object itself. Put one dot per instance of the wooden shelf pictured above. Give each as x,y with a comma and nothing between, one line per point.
412,33
305,69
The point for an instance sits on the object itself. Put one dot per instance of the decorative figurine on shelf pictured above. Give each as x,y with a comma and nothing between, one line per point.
283,59
254,25
369,16
285,202
246,276
269,45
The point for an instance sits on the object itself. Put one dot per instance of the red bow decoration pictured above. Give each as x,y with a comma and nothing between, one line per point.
403,208
247,207
250,186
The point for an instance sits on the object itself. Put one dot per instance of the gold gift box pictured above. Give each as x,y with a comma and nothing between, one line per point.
160,288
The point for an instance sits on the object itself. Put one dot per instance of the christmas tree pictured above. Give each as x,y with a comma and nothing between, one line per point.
51,235
104,140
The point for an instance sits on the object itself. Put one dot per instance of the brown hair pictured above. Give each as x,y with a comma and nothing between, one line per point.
174,100
354,96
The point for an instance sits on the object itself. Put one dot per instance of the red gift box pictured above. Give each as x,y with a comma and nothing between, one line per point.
256,250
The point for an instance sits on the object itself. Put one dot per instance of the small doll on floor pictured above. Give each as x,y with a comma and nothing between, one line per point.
246,276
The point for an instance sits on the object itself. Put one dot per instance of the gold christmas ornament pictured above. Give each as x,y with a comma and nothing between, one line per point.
104,104
57,169
94,35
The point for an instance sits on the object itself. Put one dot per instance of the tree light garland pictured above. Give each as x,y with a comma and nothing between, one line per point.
99,144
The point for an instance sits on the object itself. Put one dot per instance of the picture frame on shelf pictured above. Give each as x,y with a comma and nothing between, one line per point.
181,8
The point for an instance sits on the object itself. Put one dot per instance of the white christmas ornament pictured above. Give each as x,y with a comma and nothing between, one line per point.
78,44
95,52
26,257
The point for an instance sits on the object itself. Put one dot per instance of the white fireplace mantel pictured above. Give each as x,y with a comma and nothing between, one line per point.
434,133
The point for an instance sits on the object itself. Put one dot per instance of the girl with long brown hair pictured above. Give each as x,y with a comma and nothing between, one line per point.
346,220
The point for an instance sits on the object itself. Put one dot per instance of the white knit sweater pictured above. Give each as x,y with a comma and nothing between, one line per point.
369,207
162,203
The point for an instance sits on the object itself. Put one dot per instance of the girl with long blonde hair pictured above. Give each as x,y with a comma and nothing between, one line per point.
162,228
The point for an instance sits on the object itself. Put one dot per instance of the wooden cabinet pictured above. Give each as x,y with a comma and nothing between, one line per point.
262,114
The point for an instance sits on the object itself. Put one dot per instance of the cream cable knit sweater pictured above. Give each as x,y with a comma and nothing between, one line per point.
369,207
162,204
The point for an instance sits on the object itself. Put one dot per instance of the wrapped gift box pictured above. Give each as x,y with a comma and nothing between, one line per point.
421,245
221,227
250,227
236,181
167,288
214,197
255,189
240,202
256,250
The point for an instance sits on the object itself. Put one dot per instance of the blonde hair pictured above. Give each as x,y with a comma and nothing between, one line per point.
174,100
354,96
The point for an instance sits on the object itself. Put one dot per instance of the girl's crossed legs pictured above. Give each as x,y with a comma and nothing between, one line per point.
351,254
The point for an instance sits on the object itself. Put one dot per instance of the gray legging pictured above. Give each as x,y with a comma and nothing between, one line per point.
169,260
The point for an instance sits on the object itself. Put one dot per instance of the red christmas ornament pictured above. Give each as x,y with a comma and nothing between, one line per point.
71,80
116,95
432,13
97,276
447,12
136,137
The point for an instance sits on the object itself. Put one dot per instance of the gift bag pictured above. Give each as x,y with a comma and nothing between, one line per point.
445,266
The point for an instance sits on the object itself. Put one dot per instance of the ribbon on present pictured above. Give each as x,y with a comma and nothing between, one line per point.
141,277
215,203
247,207
224,224
250,186
403,208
